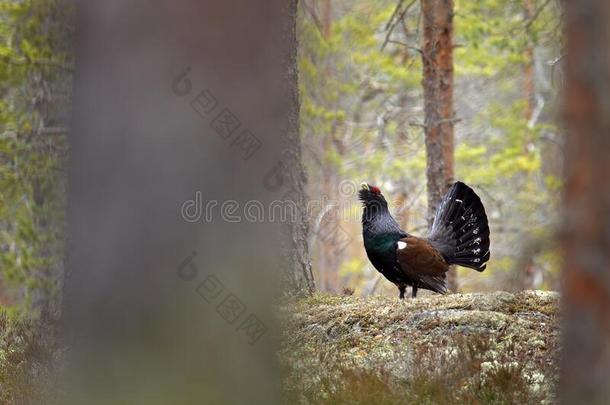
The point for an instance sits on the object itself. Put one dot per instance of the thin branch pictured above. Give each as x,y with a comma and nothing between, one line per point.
556,60
413,48
536,14
536,113
315,18
436,123
398,6
393,21
554,64
53,131
39,62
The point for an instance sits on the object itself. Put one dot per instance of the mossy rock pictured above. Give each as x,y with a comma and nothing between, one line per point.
475,346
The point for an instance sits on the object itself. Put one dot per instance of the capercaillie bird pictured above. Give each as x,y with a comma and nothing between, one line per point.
459,235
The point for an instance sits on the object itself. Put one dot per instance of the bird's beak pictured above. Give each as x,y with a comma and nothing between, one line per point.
364,186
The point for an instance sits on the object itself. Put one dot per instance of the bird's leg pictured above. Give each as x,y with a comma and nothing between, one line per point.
414,291
402,289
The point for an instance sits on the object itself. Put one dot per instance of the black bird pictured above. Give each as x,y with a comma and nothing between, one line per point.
459,235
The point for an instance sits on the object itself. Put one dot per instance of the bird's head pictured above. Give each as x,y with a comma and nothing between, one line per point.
371,196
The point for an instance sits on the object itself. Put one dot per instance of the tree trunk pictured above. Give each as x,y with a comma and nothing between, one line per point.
299,274
528,65
52,108
437,55
586,232
187,99
326,18
523,281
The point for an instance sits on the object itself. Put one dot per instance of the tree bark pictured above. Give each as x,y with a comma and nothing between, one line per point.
586,232
299,280
437,56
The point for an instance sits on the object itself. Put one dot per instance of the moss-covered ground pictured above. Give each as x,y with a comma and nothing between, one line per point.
497,348
461,348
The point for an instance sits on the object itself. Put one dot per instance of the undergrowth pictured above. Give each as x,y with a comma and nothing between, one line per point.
442,350
28,351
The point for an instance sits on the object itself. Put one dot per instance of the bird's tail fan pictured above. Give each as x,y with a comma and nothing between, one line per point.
460,230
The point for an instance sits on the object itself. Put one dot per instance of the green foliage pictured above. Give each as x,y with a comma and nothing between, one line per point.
34,43
27,353
339,84
362,112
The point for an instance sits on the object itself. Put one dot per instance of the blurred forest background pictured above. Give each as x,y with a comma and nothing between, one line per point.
35,89
362,115
362,118
362,75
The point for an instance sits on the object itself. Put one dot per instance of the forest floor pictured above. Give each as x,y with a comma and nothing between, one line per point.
28,352
496,348
462,348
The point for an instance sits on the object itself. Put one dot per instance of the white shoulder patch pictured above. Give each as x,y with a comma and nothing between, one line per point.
401,245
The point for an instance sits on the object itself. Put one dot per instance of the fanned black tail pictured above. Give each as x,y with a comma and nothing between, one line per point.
460,230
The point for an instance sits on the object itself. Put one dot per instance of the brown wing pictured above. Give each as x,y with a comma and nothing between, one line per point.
418,258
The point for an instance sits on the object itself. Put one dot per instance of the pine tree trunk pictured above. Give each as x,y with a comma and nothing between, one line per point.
437,55
586,232
299,276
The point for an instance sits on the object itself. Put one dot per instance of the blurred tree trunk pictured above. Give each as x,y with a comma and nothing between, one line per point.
528,65
526,269
178,115
586,233
437,55
47,89
327,18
